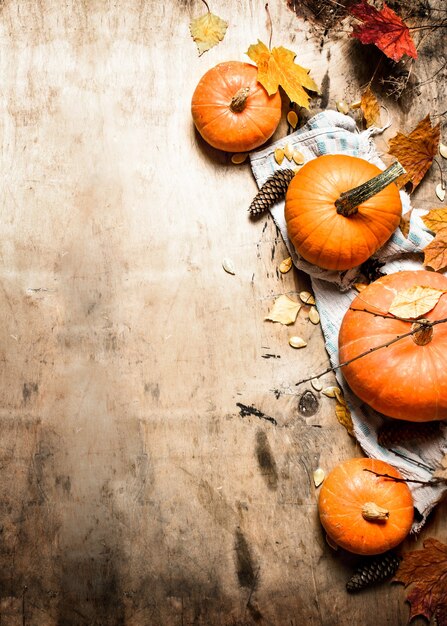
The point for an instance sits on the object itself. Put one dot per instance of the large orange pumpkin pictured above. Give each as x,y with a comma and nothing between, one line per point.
362,512
232,111
340,233
408,379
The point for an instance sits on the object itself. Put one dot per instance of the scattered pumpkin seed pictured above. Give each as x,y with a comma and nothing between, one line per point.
307,297
330,391
342,106
314,316
316,384
440,192
228,266
443,150
285,265
298,157
356,105
239,158
319,476
279,155
288,152
360,286
297,342
292,118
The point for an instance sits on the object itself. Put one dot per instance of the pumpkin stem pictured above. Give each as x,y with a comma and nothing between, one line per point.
423,332
239,100
349,201
372,512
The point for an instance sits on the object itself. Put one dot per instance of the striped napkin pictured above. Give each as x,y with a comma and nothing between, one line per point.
331,132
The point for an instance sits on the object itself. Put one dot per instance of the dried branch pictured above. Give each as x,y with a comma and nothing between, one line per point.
402,480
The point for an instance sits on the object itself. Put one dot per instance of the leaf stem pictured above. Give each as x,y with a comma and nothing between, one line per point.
427,324
270,24
206,4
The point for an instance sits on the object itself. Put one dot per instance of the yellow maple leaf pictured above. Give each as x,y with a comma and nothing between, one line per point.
277,67
415,151
415,301
207,31
342,412
370,107
436,220
284,310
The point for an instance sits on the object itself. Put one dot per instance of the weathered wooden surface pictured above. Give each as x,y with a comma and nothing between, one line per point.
133,491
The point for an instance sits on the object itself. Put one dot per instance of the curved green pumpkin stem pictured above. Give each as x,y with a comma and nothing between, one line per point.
349,201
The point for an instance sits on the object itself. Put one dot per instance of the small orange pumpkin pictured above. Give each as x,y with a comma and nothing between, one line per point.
232,111
328,220
408,379
364,513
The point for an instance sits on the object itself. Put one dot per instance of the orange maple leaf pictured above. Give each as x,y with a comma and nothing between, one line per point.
385,29
435,253
370,107
426,571
416,151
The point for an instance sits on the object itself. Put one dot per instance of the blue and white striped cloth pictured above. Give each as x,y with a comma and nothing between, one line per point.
331,132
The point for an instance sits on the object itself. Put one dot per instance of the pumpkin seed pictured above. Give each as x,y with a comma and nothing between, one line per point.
292,118
316,384
228,266
443,150
440,192
314,316
239,158
285,265
288,152
279,155
319,476
356,105
298,157
297,342
330,391
342,106
307,297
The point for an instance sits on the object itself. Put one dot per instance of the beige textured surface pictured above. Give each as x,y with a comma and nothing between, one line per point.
133,492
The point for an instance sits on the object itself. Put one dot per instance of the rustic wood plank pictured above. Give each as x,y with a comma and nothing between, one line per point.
135,491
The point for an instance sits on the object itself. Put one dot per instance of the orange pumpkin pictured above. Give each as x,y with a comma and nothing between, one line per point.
362,512
408,379
232,111
337,232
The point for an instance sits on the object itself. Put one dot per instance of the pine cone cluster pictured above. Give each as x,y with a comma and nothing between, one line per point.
271,191
373,571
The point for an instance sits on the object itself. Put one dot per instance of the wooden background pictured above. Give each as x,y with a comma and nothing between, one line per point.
133,491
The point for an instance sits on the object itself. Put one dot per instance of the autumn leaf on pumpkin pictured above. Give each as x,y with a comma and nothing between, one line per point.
425,573
415,301
284,310
383,28
435,253
277,68
207,31
415,151
370,107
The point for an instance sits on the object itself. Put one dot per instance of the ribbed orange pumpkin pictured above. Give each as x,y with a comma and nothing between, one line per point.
232,111
408,379
332,237
362,512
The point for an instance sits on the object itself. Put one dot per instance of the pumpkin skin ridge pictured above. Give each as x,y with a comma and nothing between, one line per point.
247,113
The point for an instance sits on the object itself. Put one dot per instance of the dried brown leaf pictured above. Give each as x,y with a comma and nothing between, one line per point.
425,572
416,151
441,472
370,107
404,224
342,412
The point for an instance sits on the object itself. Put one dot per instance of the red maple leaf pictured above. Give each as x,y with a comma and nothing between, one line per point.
385,29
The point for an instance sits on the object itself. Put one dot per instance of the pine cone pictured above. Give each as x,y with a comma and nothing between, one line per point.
373,571
391,434
272,190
